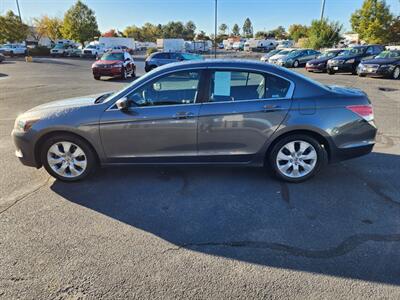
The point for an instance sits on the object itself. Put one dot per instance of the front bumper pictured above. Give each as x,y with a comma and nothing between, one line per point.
316,68
25,150
381,72
107,71
345,67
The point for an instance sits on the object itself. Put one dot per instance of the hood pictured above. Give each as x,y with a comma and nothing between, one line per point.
381,61
107,62
348,91
346,57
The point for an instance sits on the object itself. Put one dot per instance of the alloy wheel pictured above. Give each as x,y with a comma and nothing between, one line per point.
67,159
396,73
296,159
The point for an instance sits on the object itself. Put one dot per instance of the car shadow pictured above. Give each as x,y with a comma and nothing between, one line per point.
344,222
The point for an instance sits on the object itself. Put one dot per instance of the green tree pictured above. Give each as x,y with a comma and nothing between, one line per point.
134,32
373,21
323,34
235,30
278,33
222,29
395,30
201,36
247,28
12,29
298,31
48,26
189,30
80,23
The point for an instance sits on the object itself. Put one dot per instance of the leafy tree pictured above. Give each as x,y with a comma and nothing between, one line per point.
278,33
395,30
189,30
298,31
373,21
323,33
80,23
48,26
134,32
201,36
222,29
247,28
110,33
12,29
236,30
173,30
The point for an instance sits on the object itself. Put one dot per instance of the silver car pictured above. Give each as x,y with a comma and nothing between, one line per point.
203,112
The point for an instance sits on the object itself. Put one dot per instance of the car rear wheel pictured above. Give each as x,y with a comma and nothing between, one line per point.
97,77
68,157
396,73
296,64
297,157
331,72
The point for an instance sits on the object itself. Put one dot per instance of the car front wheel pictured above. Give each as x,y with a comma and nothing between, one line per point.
296,64
296,158
68,157
396,73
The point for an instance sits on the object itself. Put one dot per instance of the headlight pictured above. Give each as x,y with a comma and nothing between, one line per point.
329,61
22,125
350,61
361,66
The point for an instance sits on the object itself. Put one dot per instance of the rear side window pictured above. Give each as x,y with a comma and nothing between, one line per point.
239,86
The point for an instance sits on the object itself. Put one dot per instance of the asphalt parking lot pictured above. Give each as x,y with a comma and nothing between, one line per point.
195,232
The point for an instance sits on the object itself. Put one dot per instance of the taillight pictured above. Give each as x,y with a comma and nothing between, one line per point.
364,111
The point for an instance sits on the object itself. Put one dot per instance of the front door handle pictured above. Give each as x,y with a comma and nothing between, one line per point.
271,107
183,115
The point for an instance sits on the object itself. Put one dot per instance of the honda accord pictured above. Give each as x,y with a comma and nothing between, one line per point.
201,112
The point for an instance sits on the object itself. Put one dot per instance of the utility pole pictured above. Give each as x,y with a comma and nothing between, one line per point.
215,31
322,9
19,12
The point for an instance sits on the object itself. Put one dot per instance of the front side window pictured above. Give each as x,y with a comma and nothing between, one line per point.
173,89
239,86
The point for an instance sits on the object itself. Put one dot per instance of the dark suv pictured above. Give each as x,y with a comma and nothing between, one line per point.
162,58
348,60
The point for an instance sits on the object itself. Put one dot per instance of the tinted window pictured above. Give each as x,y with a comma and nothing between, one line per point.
113,56
175,55
172,89
370,50
161,55
237,86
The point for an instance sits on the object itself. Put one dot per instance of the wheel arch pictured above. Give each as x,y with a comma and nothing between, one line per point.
323,140
40,141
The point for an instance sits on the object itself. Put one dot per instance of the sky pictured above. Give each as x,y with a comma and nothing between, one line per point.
264,14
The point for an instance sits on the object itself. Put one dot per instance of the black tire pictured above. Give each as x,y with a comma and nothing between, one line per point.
331,72
123,73
361,75
296,64
96,77
322,157
397,69
87,149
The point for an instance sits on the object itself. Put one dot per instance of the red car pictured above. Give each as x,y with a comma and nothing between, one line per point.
115,64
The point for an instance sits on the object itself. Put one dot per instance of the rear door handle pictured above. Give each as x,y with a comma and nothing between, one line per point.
183,115
271,107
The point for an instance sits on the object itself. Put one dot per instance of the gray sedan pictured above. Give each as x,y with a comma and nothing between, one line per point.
204,112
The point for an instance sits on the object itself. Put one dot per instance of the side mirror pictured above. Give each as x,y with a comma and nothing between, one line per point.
122,104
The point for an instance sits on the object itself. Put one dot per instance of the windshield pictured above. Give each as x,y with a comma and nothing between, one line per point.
352,51
328,54
388,54
295,53
113,56
7,46
59,46
91,47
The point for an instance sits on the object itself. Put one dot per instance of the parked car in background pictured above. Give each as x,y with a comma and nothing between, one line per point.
297,58
13,49
238,46
162,58
348,60
115,64
2,57
319,64
385,64
93,50
282,53
203,112
267,56
65,50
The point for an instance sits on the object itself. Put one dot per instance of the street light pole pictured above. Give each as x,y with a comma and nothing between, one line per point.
19,12
215,30
322,9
